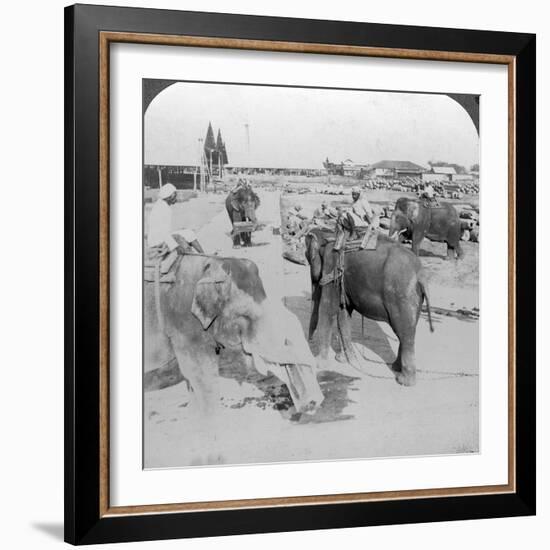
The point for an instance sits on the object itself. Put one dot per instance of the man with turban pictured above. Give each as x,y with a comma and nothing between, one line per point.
161,236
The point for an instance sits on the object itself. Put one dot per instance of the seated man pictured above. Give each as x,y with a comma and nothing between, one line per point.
428,194
324,211
360,214
295,220
161,238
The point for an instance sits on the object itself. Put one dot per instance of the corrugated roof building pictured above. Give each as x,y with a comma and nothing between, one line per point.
395,169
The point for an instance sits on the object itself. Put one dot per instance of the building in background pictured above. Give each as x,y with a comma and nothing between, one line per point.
439,173
395,169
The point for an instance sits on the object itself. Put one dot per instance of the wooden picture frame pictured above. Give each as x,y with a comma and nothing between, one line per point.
89,32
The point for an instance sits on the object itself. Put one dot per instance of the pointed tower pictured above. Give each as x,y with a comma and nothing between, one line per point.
223,153
209,142
209,148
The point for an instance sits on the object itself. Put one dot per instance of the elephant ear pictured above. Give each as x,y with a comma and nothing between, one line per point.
210,296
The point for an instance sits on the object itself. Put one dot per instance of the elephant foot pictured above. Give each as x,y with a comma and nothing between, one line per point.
324,362
236,246
405,379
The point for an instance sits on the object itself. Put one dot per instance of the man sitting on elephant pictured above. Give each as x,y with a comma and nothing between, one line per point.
428,194
360,213
161,238
358,218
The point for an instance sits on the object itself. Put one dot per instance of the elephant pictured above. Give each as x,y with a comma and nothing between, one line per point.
216,303
386,284
241,205
414,220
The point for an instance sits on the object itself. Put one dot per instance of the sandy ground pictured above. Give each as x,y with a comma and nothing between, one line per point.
362,416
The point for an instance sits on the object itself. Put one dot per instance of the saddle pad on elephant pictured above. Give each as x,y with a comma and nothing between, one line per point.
162,268
367,240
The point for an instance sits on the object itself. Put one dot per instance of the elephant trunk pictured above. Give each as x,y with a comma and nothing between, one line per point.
250,213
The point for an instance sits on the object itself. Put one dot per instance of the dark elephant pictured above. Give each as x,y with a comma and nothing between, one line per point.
241,205
386,284
414,220
216,303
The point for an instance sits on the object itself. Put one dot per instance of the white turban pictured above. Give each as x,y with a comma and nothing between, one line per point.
166,191
355,189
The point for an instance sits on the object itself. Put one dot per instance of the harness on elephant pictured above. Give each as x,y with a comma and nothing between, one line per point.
346,239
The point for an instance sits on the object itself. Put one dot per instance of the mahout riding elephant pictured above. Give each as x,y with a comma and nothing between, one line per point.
241,205
413,220
386,284
218,303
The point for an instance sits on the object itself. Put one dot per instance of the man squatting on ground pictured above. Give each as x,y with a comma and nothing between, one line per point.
160,237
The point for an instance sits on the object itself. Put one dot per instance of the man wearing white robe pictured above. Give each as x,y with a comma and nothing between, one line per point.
160,234
361,211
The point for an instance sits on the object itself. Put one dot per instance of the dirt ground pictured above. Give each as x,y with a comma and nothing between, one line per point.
362,416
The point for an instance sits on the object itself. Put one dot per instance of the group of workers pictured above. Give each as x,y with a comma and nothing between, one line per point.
360,213
163,239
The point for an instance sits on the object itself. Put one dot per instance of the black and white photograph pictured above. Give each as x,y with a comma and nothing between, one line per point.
311,273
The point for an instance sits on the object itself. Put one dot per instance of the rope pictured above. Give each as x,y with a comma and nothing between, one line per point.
444,375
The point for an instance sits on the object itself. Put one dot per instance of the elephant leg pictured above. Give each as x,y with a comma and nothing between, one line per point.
403,320
328,309
454,250
236,238
200,367
404,366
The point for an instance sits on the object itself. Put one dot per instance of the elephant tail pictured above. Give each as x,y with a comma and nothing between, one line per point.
425,296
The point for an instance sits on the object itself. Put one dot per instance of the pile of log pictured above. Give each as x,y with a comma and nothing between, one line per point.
469,225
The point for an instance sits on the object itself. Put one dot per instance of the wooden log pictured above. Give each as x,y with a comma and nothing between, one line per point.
243,227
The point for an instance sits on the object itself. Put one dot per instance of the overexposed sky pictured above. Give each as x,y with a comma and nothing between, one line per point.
300,127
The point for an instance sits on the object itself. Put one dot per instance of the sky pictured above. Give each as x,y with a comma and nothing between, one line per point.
301,127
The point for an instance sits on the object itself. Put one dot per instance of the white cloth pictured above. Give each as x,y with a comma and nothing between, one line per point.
166,190
429,191
160,227
362,211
